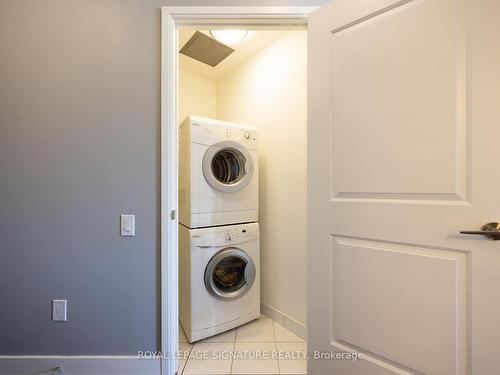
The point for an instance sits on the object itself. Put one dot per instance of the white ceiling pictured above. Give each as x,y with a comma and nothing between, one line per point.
255,42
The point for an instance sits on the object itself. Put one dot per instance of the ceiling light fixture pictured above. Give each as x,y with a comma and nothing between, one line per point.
229,36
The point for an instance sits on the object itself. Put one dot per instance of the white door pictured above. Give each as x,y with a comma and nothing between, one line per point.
404,150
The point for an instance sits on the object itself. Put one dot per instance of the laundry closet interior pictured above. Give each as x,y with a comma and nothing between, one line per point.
242,117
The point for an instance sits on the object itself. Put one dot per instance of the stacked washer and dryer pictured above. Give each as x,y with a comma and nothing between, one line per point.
219,283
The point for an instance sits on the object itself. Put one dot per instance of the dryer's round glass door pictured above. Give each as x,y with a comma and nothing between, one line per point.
227,166
229,274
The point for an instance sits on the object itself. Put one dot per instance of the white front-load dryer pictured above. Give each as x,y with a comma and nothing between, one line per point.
219,282
218,173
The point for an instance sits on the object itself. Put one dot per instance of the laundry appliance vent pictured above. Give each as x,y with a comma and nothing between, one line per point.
206,49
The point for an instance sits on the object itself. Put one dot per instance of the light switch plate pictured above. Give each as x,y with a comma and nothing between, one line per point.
127,225
59,310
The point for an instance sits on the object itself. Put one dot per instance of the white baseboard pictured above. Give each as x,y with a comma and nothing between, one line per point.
292,325
78,365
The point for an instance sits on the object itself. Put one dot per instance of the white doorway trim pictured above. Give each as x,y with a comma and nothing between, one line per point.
172,19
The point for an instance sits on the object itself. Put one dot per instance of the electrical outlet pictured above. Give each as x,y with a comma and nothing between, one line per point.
59,310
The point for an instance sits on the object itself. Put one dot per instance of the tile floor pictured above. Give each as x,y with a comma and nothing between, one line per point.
259,347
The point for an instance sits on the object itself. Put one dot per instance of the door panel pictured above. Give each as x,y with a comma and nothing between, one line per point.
403,116
410,81
392,300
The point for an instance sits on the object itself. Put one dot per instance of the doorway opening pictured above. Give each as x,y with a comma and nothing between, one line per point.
242,200
260,91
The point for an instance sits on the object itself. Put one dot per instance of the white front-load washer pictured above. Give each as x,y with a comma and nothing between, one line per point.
218,173
219,282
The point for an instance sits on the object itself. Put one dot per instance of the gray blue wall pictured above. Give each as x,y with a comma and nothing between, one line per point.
79,145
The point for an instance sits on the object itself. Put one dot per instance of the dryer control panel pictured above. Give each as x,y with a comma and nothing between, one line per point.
209,131
225,236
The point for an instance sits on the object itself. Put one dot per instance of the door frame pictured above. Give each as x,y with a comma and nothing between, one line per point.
172,18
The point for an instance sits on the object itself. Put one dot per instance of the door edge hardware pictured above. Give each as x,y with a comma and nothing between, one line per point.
490,230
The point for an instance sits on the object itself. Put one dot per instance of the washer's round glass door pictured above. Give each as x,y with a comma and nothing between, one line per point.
227,166
229,274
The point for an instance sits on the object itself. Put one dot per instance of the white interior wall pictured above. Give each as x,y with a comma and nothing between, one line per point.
197,96
269,91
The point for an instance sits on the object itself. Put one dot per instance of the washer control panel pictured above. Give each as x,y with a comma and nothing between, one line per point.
226,235
235,235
